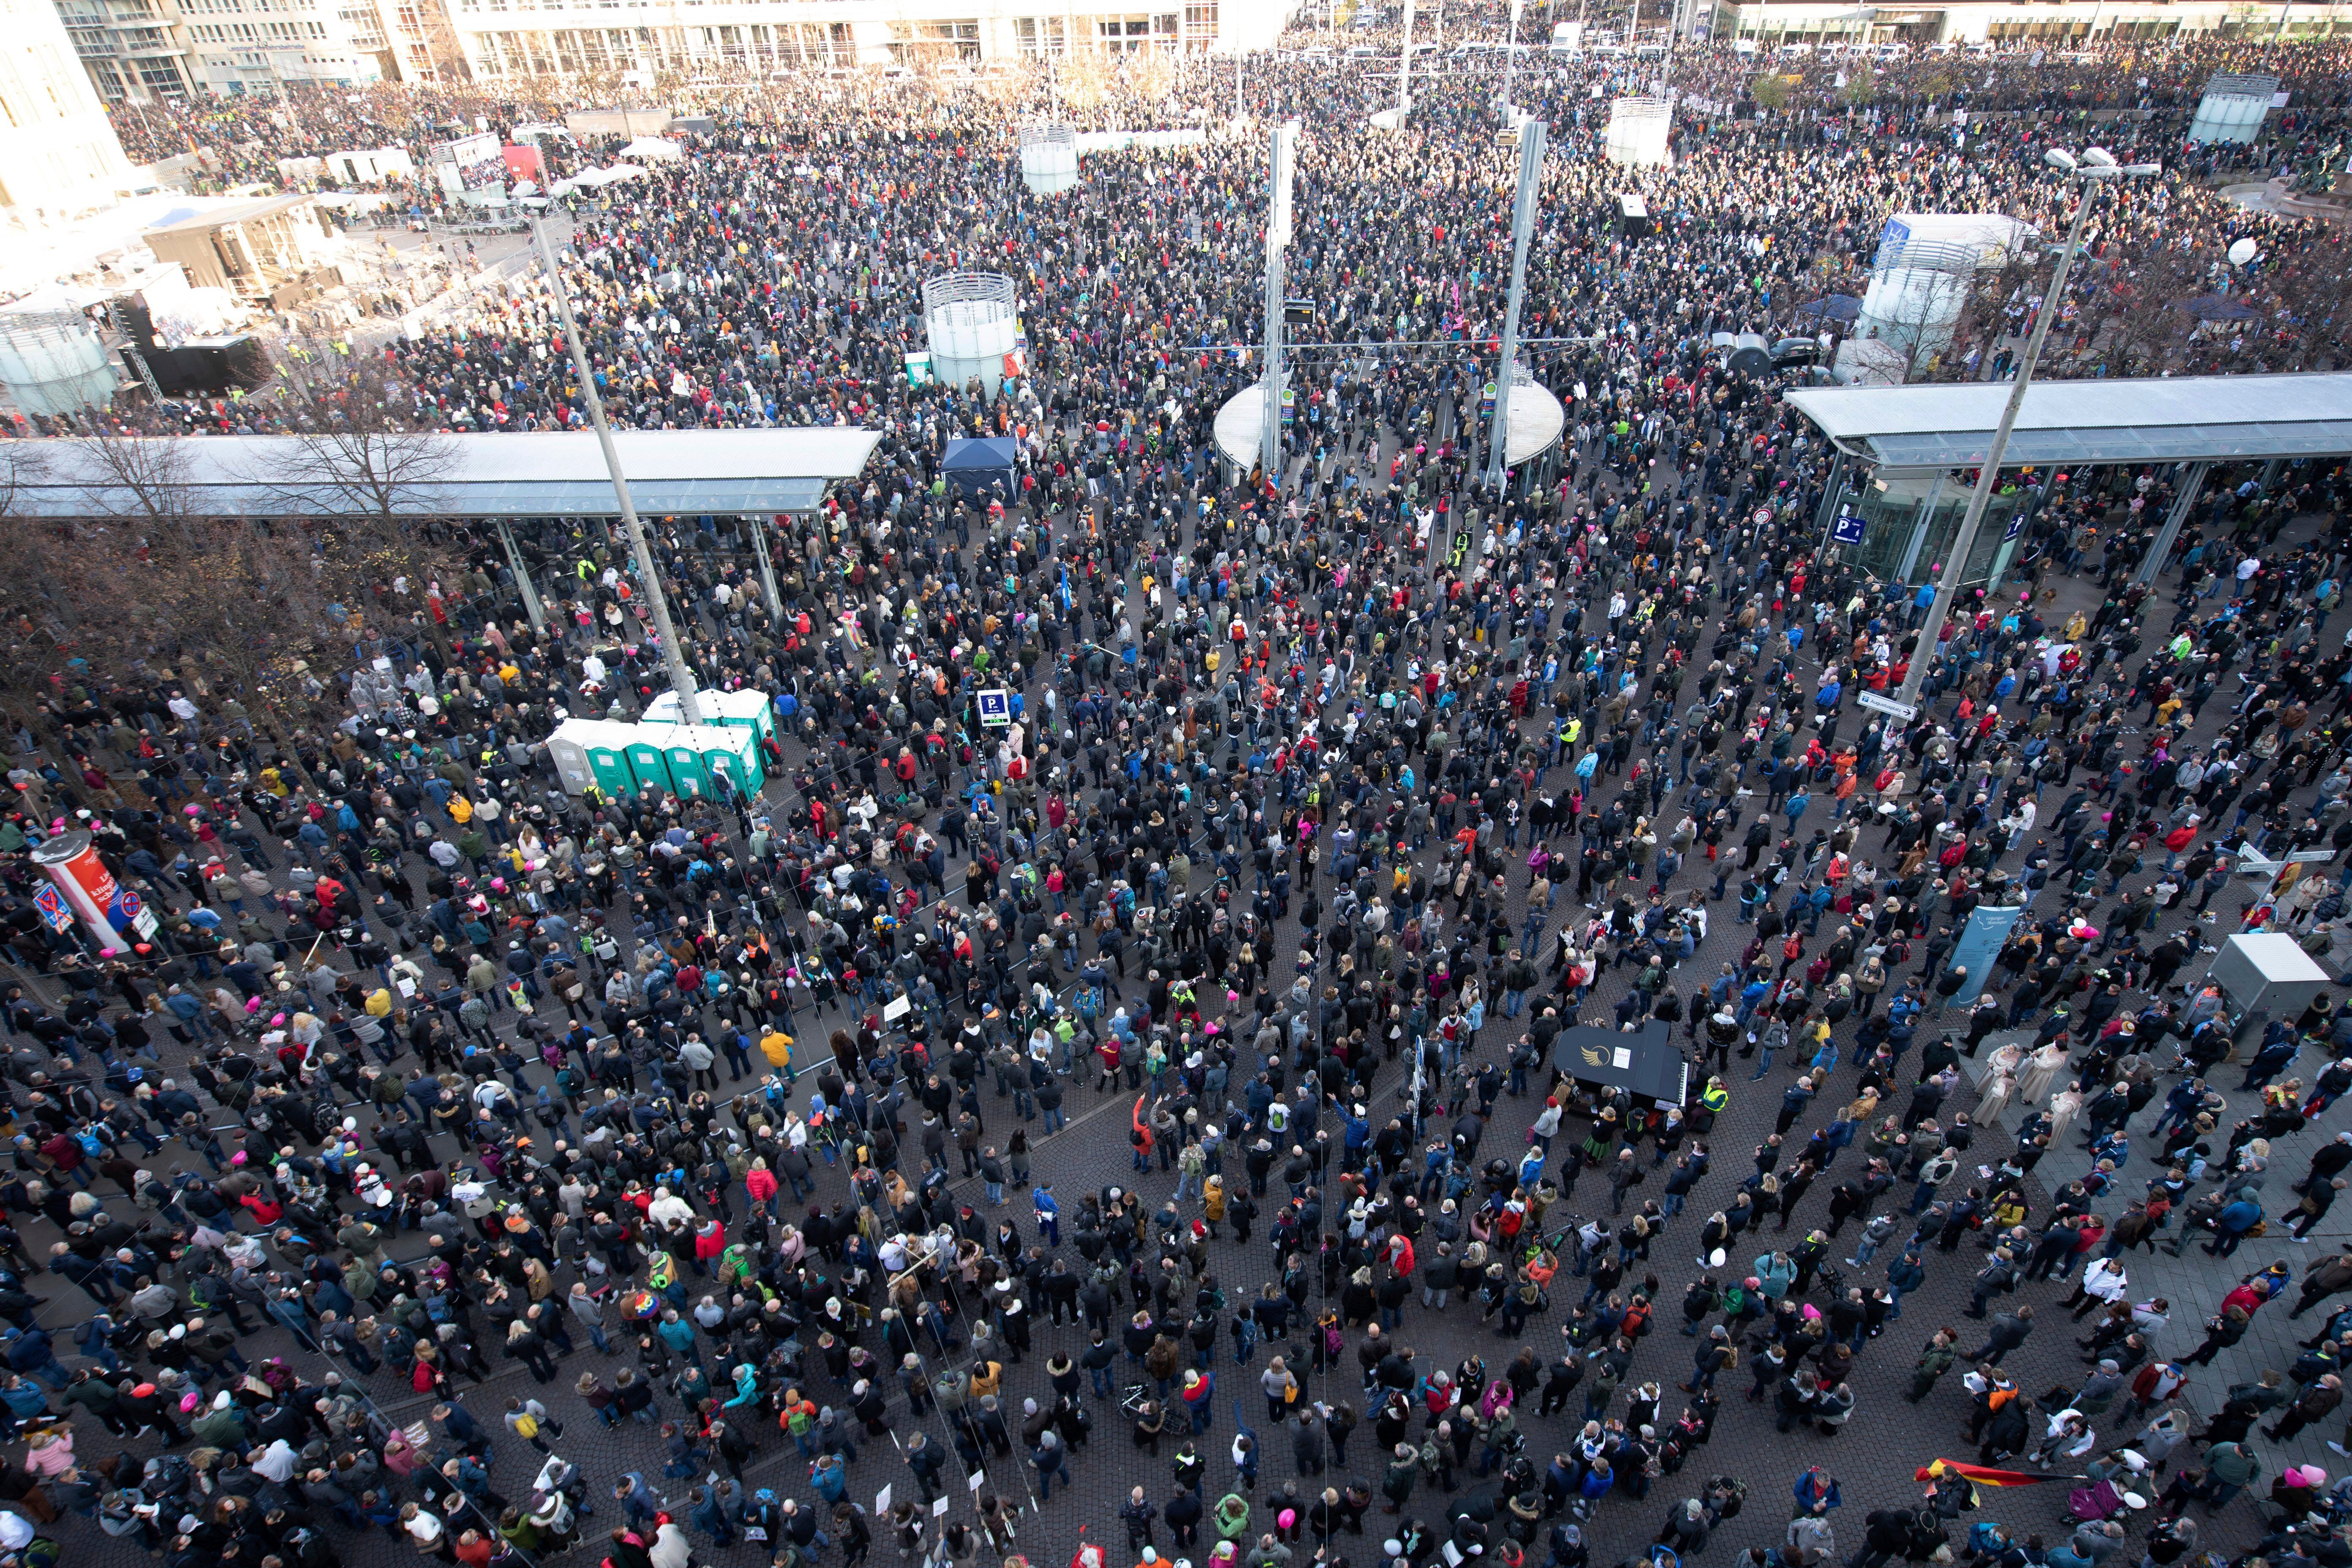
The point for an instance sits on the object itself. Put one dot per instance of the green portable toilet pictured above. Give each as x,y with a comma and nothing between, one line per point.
733,751
649,762
606,745
689,775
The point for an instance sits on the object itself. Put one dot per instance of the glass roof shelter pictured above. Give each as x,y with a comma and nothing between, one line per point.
1905,454
497,476
556,473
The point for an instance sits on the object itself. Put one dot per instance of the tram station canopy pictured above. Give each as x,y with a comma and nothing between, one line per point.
2159,420
554,473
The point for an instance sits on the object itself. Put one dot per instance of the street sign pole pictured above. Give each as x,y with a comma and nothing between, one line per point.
1892,707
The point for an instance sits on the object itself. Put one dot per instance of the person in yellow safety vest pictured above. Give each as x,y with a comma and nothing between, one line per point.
1714,1097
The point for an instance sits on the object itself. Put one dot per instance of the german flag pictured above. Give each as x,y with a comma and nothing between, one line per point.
1982,1475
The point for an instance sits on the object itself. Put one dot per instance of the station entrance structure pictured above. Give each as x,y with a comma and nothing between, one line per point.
1904,455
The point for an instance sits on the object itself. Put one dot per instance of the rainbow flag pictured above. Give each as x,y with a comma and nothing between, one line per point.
1980,1475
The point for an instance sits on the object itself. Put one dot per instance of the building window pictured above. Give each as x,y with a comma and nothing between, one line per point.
932,43
1200,23
162,76
1041,37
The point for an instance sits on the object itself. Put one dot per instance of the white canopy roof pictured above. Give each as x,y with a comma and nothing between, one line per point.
504,474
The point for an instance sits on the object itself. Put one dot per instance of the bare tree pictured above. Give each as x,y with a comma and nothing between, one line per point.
1083,78
366,466
2133,315
360,446
22,466
44,605
1908,336
251,601
160,580
1984,319
2310,292
146,583
1153,75
135,478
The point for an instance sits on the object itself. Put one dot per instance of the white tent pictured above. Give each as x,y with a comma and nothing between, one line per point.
657,149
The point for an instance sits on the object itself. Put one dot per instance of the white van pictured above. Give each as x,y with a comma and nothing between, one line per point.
1744,46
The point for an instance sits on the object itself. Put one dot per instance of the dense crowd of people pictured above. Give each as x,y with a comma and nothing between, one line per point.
1329,803
774,276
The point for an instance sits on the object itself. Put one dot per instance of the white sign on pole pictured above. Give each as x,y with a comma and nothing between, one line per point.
882,1503
995,707
1888,705
895,1008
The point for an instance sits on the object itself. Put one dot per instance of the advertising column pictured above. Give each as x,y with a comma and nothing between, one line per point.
114,915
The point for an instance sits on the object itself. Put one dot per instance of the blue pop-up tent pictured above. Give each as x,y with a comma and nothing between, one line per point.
981,467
